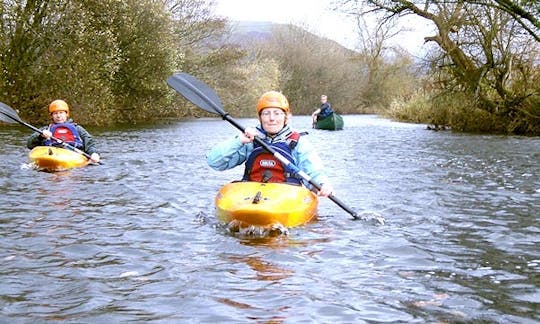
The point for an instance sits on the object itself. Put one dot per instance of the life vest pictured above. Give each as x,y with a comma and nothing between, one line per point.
263,166
67,132
326,111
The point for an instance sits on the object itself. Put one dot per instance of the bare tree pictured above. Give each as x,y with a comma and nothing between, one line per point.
311,66
484,50
525,12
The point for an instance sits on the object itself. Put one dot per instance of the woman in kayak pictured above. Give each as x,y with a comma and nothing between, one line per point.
64,129
274,113
324,111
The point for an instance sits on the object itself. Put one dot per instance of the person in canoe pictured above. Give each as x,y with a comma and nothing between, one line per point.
64,129
274,113
324,111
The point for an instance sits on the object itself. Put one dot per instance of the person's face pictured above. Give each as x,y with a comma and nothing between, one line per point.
323,99
272,120
59,116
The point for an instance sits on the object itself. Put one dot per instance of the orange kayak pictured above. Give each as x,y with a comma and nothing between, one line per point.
53,159
266,204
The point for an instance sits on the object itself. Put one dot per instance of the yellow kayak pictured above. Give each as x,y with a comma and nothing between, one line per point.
266,204
52,159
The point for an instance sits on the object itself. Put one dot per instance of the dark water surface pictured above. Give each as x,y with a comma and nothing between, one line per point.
136,239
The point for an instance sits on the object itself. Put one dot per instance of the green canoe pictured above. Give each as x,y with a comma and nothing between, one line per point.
332,122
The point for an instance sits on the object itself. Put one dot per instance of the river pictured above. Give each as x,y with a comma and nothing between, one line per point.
136,239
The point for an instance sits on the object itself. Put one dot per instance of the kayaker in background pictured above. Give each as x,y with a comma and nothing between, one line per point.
261,166
64,129
324,111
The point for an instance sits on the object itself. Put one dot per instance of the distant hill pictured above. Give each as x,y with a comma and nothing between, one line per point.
245,33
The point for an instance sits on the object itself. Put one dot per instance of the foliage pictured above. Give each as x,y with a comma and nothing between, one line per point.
310,66
459,111
204,52
489,53
144,58
108,58
258,77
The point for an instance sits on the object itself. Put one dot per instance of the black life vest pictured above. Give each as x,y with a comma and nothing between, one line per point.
263,166
67,132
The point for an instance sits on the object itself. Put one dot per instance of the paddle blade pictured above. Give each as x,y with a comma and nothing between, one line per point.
8,114
197,92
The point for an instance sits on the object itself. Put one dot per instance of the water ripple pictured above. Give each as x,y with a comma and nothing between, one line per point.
136,239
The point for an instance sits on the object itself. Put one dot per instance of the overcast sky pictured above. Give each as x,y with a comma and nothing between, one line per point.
315,16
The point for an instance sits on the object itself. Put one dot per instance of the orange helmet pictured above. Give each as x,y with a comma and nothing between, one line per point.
273,99
58,105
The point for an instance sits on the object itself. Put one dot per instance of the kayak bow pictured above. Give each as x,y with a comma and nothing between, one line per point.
266,204
53,159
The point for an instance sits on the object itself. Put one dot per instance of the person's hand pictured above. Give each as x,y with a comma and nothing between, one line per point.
95,157
248,135
46,134
326,190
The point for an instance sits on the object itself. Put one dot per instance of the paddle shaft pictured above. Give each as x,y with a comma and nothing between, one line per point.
71,147
187,83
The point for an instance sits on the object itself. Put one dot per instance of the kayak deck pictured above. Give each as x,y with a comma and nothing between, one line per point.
265,204
53,159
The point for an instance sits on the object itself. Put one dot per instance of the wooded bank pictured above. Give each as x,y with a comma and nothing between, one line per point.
109,60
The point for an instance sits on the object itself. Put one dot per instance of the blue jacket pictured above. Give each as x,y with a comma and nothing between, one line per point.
232,153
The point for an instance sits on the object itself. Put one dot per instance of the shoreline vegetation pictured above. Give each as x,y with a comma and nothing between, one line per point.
480,71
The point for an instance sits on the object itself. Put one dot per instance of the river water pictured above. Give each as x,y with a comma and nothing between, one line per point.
136,239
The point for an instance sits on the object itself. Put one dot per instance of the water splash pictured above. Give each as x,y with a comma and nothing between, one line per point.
373,217
29,166
239,229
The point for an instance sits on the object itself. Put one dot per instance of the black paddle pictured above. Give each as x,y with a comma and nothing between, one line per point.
204,97
12,116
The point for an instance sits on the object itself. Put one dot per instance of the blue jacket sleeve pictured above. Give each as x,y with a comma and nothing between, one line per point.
228,154
308,160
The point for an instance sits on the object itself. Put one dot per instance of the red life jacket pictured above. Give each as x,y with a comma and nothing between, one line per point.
67,132
263,166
